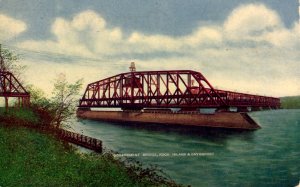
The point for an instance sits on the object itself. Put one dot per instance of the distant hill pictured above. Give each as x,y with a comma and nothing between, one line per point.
291,102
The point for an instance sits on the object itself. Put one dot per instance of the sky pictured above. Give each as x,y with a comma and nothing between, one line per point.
239,45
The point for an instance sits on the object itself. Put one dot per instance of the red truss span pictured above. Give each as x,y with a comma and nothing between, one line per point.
166,89
11,87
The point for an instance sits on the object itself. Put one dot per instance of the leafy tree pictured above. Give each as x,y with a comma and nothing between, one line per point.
41,105
37,96
9,62
60,108
64,100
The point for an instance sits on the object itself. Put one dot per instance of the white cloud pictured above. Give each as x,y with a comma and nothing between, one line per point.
87,35
204,35
251,51
10,27
285,37
256,22
251,22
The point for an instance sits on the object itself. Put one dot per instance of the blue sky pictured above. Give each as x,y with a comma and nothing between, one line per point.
170,17
244,45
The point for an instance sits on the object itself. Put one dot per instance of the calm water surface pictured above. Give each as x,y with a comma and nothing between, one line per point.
266,157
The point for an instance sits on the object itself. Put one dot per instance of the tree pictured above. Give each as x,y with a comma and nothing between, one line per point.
40,105
64,100
9,62
60,108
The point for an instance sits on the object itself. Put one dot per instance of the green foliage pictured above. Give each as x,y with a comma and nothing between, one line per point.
292,102
64,100
40,105
28,158
60,108
10,60
24,116
37,97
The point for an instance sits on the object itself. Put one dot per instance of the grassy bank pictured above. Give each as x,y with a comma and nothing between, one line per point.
15,116
28,158
31,158
292,102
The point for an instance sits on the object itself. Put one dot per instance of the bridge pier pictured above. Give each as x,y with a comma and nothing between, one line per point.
242,109
6,103
223,109
256,108
190,109
274,108
266,108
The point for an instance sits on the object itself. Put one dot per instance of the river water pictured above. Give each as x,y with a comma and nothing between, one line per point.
269,156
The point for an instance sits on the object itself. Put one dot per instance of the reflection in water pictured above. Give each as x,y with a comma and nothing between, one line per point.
265,157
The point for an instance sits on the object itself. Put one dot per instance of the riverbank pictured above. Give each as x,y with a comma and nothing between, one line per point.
31,158
290,102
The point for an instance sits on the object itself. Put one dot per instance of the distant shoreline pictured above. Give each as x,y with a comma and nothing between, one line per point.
290,102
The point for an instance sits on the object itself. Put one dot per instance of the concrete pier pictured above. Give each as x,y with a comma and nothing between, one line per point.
234,120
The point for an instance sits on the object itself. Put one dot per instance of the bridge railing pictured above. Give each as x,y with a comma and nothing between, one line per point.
241,99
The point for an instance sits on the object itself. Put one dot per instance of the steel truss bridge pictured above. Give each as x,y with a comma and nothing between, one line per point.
184,89
11,87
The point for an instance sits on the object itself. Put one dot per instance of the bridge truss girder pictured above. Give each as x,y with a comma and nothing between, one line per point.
11,87
166,89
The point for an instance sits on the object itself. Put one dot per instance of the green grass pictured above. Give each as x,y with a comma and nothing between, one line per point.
29,158
292,102
19,115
